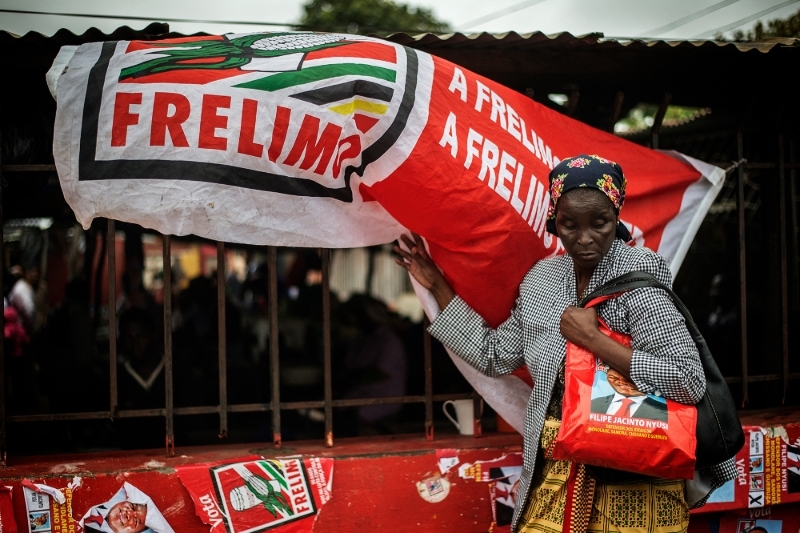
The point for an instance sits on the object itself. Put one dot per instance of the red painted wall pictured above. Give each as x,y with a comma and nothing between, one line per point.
374,482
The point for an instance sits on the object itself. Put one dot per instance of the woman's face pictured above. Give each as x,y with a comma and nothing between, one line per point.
587,224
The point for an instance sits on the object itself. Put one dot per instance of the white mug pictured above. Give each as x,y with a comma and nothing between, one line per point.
465,413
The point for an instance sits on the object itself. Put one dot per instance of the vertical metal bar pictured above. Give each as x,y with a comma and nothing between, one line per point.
168,345
222,342
2,328
619,99
426,346
658,120
572,102
111,250
477,410
795,228
784,267
326,343
274,361
742,269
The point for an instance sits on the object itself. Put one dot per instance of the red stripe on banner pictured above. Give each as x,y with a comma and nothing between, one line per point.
364,123
133,46
365,194
364,50
485,248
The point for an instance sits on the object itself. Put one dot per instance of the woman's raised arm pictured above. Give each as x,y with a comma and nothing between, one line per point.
493,352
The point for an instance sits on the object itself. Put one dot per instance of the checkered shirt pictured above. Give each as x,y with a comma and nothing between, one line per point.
665,359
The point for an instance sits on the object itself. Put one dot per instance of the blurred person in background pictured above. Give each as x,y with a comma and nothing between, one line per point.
374,363
23,295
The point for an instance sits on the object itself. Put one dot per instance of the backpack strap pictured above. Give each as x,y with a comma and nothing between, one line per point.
637,280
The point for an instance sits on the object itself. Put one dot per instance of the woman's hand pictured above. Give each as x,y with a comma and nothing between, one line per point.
579,326
420,265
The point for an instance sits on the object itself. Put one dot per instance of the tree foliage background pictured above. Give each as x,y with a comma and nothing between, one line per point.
380,17
788,27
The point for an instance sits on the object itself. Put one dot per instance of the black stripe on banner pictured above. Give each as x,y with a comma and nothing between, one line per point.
345,91
92,169
374,151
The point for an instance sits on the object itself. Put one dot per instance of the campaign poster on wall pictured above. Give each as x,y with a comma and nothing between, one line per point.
257,495
769,471
778,519
48,510
503,475
128,510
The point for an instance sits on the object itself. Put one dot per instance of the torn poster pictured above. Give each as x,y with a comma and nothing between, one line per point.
503,475
283,494
48,509
128,510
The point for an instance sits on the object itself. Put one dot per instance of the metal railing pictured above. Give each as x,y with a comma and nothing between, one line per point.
275,405
223,408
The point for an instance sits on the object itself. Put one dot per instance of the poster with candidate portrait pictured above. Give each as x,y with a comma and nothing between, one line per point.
128,511
47,509
774,519
769,471
502,475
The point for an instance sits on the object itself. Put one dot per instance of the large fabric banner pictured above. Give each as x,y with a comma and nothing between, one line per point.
332,140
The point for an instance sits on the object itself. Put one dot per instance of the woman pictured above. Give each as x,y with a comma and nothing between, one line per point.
586,195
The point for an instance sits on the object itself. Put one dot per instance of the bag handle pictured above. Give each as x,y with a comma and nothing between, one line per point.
637,280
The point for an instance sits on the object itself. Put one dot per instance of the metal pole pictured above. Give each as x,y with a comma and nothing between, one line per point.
222,346
572,102
111,250
326,343
784,267
2,328
658,120
619,99
274,347
168,345
477,410
742,269
426,344
795,248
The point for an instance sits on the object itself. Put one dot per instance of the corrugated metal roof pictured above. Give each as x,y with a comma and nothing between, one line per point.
432,41
154,30
539,39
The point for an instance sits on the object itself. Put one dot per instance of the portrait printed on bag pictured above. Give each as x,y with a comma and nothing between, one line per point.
614,394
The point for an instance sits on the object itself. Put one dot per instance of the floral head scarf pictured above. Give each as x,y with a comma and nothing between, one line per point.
587,171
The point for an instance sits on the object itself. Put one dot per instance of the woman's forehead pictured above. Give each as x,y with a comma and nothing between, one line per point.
585,199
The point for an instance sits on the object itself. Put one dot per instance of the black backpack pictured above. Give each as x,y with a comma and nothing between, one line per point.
719,431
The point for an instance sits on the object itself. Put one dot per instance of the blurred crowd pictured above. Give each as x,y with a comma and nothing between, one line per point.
57,346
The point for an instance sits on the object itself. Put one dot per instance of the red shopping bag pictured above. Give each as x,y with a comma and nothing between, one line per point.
607,422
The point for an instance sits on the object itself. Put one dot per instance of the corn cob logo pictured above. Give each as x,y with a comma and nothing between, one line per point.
264,52
260,495
290,113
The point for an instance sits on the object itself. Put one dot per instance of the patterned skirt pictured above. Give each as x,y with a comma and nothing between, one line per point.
564,498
